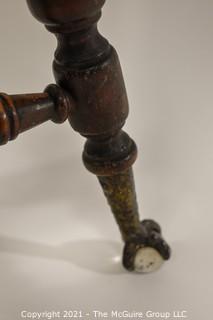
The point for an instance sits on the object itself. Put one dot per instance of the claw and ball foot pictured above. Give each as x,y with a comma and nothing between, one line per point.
146,252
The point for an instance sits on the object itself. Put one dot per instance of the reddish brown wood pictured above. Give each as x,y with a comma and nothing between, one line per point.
91,93
22,112
87,67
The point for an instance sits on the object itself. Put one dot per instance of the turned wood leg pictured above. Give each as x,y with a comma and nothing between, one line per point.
87,67
111,160
90,92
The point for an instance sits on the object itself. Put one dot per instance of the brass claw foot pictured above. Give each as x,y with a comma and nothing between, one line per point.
146,252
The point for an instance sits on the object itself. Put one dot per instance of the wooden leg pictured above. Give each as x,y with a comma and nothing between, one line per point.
111,160
87,67
119,190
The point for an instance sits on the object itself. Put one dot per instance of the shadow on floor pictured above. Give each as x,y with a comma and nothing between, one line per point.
99,256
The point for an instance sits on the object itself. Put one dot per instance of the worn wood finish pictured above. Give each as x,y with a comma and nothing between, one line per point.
22,112
87,68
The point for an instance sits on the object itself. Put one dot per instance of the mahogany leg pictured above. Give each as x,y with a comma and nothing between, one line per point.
144,250
87,67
